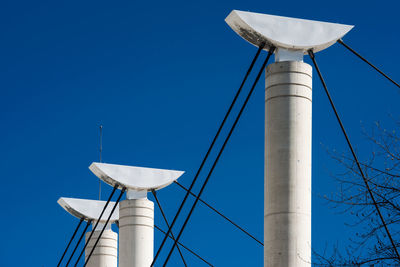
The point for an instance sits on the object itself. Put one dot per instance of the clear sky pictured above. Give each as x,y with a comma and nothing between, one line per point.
159,75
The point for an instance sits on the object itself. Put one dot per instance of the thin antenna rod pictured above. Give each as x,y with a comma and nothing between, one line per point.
100,150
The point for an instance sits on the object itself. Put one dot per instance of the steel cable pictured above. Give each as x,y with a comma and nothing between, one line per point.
79,241
366,61
270,52
104,227
70,241
97,222
207,154
166,222
222,215
310,52
185,247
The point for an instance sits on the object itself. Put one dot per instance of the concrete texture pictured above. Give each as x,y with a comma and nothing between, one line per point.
88,209
287,206
106,251
136,233
285,32
135,178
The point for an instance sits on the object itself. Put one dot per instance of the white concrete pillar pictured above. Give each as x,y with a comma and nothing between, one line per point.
287,201
136,232
106,252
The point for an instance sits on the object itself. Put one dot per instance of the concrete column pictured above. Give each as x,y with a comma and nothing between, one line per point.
106,252
136,232
287,201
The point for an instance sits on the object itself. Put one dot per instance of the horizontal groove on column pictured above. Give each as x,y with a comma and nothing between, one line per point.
278,72
100,246
104,238
111,255
278,84
135,224
287,96
286,212
141,216
135,207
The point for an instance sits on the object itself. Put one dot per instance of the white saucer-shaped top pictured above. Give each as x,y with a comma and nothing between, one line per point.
134,178
89,209
284,32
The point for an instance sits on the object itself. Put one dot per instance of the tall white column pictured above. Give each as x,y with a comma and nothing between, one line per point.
106,252
136,232
287,201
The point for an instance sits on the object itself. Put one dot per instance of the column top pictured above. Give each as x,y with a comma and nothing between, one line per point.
288,66
88,209
291,34
134,178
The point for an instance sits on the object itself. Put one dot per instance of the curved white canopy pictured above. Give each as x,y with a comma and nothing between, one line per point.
134,178
89,209
284,32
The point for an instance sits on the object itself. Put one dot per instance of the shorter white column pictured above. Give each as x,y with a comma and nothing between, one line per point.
106,252
136,232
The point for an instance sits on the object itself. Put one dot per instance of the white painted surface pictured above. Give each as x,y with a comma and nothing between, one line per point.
135,194
284,32
287,207
88,209
136,178
282,54
101,225
136,233
106,252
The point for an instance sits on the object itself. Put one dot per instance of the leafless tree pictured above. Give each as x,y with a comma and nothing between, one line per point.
370,245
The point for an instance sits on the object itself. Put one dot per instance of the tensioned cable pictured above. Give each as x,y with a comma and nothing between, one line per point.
70,241
104,227
207,154
366,61
97,222
222,215
311,53
270,52
166,222
79,241
185,247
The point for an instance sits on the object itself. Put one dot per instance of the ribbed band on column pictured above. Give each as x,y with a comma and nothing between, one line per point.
106,251
136,233
136,212
288,78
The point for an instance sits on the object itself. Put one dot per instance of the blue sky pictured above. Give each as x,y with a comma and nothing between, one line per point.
159,75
